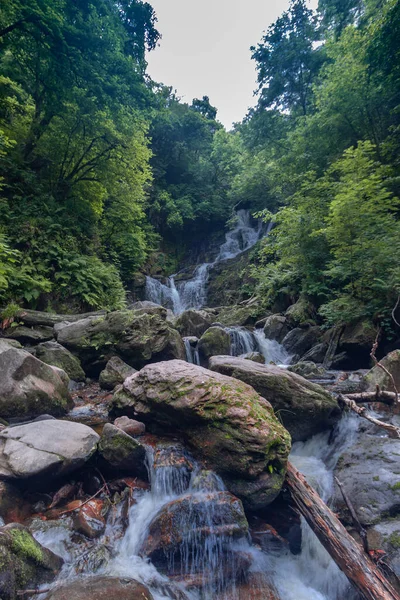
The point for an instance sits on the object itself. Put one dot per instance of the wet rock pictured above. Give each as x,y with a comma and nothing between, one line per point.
265,536
255,357
29,387
116,372
316,354
45,448
24,563
130,426
370,474
224,420
13,508
90,519
101,588
214,341
377,376
121,451
29,335
207,481
307,369
190,520
298,341
256,587
52,353
176,465
276,327
386,536
304,407
136,336
193,323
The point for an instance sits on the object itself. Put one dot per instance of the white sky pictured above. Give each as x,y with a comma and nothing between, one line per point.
204,50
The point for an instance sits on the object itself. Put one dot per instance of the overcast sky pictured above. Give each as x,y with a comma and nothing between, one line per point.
204,50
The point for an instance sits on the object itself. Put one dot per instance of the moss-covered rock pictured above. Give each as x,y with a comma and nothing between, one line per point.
276,327
101,587
24,563
224,420
307,369
30,387
29,335
239,315
301,313
121,451
193,322
116,372
52,353
136,336
214,341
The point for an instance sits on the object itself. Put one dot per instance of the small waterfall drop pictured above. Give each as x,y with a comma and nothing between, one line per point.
272,350
192,353
242,341
182,295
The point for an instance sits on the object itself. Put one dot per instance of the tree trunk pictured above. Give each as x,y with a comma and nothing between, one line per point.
364,575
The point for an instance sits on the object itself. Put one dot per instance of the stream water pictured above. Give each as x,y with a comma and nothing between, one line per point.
192,293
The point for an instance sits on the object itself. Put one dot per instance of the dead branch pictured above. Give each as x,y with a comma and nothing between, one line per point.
393,431
379,395
381,366
64,512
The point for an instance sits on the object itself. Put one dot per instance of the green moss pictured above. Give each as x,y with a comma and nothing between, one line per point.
25,546
394,539
376,478
395,487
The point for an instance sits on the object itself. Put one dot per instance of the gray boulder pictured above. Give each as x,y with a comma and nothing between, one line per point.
377,375
298,341
136,336
214,341
50,447
307,369
116,372
316,354
193,323
304,407
276,327
30,335
121,451
52,353
255,357
30,387
24,563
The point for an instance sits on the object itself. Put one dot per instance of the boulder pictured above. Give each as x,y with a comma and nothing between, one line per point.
232,316
121,451
386,536
13,508
30,335
316,354
52,353
377,376
304,407
214,341
173,467
136,336
152,308
370,474
90,519
255,357
298,341
101,587
307,369
37,317
45,448
130,426
29,387
301,312
191,519
116,372
24,563
224,420
276,327
357,340
193,323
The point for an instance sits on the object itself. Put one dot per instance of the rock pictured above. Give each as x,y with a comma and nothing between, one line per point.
152,308
130,426
377,376
357,340
116,372
386,536
101,587
29,335
276,327
300,313
121,451
24,563
256,587
37,317
13,508
193,323
224,420
307,369
90,519
52,353
369,472
214,341
136,336
316,354
45,448
255,357
304,407
29,387
231,316
190,520
172,460
298,341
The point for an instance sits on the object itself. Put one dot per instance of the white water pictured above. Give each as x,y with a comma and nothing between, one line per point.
192,353
272,350
182,295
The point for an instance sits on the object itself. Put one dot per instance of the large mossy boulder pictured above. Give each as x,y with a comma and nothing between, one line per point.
216,340
121,451
30,387
24,563
226,423
377,376
52,353
101,587
301,313
241,315
136,336
45,448
304,408
193,323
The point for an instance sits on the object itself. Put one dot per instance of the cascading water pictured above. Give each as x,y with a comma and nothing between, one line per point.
182,295
242,341
272,350
192,353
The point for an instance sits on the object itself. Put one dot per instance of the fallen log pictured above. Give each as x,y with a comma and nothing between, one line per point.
33,318
382,396
360,570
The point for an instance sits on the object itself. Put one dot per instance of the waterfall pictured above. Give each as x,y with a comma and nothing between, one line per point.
272,350
192,353
242,341
182,295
